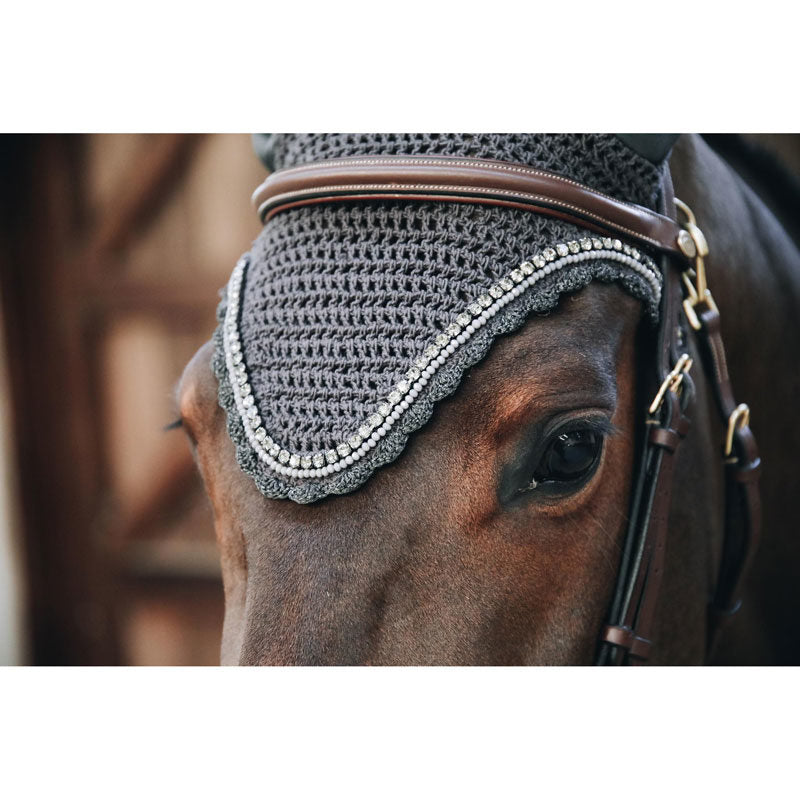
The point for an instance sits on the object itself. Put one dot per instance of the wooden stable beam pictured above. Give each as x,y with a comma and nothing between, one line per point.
66,279
139,196
70,575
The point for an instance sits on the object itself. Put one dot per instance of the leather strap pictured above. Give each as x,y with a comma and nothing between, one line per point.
463,180
637,646
742,499
628,637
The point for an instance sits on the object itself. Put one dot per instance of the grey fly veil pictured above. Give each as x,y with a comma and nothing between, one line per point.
346,322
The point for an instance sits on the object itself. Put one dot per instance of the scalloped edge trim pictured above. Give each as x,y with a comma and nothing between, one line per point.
369,432
643,284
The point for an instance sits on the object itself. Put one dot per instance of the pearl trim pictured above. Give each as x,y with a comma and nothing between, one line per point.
465,324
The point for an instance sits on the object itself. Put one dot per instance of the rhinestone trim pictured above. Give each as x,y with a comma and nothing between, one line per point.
474,316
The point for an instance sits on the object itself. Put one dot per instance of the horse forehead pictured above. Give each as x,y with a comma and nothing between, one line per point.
585,327
573,348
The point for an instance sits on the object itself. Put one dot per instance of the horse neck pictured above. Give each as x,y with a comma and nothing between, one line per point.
754,274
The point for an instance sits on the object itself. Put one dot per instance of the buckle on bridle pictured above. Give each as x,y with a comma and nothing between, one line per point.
671,382
739,418
693,245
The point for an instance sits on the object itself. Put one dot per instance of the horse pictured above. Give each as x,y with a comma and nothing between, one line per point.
445,556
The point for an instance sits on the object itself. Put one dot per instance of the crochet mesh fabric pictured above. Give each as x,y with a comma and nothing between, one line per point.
601,161
340,299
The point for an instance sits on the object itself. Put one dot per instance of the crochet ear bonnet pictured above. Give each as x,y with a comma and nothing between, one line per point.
345,324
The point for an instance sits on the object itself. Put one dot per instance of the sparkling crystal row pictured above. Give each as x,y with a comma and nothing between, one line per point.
466,323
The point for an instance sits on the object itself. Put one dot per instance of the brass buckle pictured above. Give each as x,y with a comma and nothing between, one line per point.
740,416
693,245
694,299
671,382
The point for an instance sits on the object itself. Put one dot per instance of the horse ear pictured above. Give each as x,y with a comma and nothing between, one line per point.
655,147
264,145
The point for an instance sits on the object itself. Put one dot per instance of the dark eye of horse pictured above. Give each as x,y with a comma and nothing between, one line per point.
569,457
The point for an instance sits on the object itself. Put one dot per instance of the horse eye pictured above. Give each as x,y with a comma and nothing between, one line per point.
569,457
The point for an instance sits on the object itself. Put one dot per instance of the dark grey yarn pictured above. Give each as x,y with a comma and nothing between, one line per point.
599,160
340,299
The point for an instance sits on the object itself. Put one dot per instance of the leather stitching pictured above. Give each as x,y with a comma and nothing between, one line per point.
436,162
406,188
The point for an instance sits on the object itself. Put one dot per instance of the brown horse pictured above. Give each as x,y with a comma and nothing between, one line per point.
443,558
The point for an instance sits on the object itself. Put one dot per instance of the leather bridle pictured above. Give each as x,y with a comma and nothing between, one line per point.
686,303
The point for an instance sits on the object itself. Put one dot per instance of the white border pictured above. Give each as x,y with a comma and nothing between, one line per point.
399,733
354,65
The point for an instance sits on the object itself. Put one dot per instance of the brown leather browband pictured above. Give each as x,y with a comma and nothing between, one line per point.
627,638
463,180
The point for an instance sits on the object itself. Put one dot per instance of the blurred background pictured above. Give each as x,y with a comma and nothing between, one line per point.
113,249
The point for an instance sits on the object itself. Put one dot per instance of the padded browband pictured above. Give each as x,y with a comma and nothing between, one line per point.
462,180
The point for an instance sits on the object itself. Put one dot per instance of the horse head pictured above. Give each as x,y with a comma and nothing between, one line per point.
393,487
